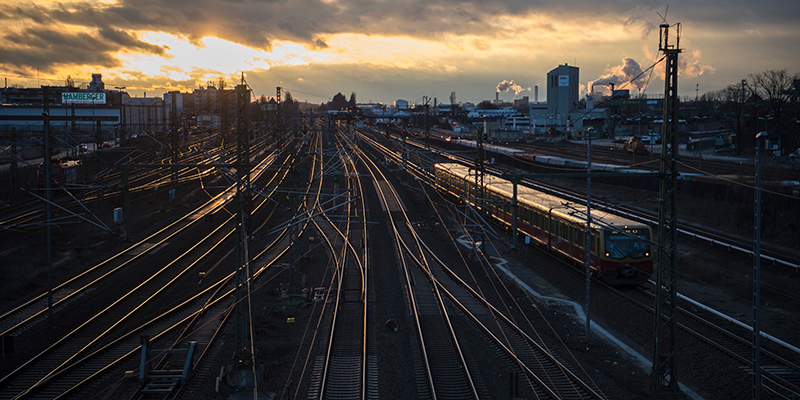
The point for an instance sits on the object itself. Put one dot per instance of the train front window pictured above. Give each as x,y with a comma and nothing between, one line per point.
631,243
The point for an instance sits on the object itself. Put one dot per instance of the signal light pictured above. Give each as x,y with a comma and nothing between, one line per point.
391,325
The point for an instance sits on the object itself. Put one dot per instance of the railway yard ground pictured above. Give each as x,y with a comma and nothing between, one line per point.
24,266
282,329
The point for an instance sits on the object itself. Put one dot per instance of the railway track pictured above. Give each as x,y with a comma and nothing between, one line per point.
107,183
545,374
35,310
67,380
343,373
616,154
780,376
769,253
443,363
68,353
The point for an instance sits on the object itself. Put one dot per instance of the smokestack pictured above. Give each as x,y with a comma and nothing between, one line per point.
497,96
536,94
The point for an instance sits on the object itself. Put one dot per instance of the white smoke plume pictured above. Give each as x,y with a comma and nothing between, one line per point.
621,74
505,86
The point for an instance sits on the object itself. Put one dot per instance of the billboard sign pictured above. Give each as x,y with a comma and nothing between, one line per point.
83,98
563,80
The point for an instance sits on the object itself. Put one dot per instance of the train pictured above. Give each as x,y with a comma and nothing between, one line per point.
60,173
490,148
621,248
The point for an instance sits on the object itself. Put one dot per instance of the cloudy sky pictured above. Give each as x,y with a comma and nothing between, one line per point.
385,50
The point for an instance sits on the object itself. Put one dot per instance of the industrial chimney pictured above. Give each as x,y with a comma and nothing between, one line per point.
536,94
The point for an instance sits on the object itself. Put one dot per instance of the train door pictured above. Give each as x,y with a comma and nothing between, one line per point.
549,231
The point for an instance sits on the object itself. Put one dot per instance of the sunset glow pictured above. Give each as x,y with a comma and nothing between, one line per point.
462,47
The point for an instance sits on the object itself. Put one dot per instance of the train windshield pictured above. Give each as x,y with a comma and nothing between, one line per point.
53,169
629,243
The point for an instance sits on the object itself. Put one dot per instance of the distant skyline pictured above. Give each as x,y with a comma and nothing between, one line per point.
388,50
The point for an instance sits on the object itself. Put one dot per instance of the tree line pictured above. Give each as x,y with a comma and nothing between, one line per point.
764,101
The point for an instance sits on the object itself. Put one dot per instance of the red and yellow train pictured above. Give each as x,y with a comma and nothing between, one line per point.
621,249
60,173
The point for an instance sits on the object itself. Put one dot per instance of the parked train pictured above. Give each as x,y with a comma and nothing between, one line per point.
60,173
621,248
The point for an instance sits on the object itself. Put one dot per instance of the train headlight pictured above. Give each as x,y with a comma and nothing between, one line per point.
608,254
647,254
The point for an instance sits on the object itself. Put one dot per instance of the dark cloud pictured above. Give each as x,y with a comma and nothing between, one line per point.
47,34
44,48
126,40
256,23
319,44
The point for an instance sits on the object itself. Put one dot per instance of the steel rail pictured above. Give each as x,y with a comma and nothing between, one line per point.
415,288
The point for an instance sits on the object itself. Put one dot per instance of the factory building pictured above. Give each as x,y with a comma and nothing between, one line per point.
563,111
93,111
562,93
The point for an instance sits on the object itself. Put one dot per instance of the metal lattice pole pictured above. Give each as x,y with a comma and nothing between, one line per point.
174,135
760,138
479,170
48,177
243,193
664,377
588,235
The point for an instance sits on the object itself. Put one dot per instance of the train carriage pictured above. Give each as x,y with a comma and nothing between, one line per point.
621,248
60,173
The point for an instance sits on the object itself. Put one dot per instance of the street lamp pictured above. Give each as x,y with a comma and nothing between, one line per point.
765,119
741,111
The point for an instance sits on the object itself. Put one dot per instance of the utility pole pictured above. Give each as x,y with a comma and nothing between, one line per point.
425,101
588,233
14,168
124,132
478,193
741,111
760,145
480,168
174,124
613,116
278,117
48,179
664,380
243,349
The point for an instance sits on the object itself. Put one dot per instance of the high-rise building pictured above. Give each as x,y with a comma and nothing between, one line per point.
562,92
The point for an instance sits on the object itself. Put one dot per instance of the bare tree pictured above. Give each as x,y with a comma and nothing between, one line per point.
733,98
352,103
289,106
339,102
774,90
